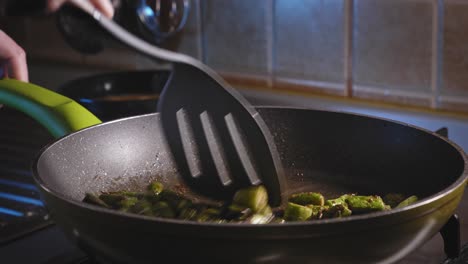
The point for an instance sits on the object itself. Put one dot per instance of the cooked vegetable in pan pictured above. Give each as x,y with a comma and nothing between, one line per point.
249,205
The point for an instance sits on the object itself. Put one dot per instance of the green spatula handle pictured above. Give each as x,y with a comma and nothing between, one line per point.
59,114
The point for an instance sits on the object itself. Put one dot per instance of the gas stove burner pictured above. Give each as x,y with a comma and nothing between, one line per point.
21,209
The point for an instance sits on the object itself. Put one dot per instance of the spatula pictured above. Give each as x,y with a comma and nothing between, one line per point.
219,141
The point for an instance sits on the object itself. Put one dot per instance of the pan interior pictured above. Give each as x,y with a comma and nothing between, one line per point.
122,155
336,153
328,152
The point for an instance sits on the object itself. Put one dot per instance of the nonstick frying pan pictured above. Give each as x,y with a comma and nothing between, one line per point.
115,95
330,152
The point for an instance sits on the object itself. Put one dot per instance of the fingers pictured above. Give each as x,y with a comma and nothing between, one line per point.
104,6
54,5
18,67
12,59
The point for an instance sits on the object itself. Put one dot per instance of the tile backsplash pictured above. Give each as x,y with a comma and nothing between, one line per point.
392,49
410,52
236,35
309,43
454,90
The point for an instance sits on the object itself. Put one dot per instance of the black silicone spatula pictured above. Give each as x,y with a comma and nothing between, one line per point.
219,141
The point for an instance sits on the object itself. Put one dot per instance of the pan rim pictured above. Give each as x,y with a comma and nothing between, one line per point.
449,190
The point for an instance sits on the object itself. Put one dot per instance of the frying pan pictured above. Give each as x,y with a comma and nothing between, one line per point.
116,95
330,152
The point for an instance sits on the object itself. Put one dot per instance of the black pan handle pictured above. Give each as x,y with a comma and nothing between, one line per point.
442,132
451,230
451,235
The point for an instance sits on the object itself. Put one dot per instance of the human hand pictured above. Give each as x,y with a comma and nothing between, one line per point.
104,6
12,59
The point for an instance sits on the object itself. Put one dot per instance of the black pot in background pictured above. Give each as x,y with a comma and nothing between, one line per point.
116,95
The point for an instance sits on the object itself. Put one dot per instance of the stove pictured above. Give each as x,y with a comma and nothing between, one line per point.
28,235
21,209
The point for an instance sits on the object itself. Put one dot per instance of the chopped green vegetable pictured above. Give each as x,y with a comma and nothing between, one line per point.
266,210
163,209
93,199
208,214
393,199
182,204
170,197
237,212
365,204
410,200
254,197
260,219
112,199
317,211
155,188
188,214
306,198
336,211
143,206
336,201
249,205
296,212
128,202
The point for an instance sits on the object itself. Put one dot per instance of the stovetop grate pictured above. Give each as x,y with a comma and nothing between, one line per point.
21,209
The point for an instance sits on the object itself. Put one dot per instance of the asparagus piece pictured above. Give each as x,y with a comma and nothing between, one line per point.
163,209
278,220
317,211
297,212
249,205
93,199
188,214
393,199
260,219
238,212
266,211
212,211
209,214
112,199
306,198
127,203
264,216
155,188
138,195
254,197
143,207
336,211
170,197
410,200
365,204
130,194
336,201
182,204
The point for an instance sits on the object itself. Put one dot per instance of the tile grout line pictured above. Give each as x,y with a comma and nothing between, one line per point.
200,49
348,25
201,24
437,51
270,38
